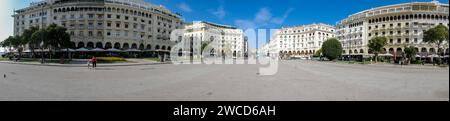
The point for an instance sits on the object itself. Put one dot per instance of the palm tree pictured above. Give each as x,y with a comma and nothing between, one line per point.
376,45
436,35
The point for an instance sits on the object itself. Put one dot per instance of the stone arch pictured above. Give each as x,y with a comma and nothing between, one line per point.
90,45
391,50
134,46
80,45
108,45
423,50
126,46
117,45
141,47
149,47
99,45
432,50
399,50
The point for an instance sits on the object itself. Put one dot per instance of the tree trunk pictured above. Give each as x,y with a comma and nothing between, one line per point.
376,57
439,54
42,55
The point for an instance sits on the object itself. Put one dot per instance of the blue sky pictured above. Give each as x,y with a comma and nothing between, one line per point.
267,14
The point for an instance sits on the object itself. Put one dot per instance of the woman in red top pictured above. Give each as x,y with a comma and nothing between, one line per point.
94,62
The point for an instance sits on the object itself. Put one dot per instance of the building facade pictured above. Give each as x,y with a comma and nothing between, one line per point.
402,24
104,24
299,41
223,39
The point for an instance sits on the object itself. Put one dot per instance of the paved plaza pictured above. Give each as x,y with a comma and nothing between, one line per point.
295,81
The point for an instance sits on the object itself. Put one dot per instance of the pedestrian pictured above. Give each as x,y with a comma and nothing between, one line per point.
89,62
94,62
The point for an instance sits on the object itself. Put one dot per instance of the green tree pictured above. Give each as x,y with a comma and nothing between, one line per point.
318,53
7,43
57,38
27,38
202,48
332,49
436,35
376,45
13,43
410,53
38,39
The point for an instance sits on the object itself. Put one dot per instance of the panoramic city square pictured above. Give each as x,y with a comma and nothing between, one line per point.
296,80
394,50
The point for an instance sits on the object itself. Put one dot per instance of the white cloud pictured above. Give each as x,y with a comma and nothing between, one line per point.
219,12
185,7
262,18
245,24
280,20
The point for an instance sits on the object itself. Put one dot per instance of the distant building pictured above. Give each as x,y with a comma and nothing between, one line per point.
230,40
300,41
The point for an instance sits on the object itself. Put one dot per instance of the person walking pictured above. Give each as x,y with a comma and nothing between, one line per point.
94,62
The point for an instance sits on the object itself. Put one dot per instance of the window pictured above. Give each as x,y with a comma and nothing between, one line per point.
407,40
90,33
108,24
391,41
399,40
118,25
117,16
108,34
99,33
108,16
126,18
415,40
126,34
117,34
100,24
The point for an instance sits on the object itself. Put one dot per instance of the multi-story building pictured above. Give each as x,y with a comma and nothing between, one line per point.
402,24
105,24
302,41
224,39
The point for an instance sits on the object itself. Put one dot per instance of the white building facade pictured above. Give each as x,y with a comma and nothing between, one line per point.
402,24
300,41
223,39
104,24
